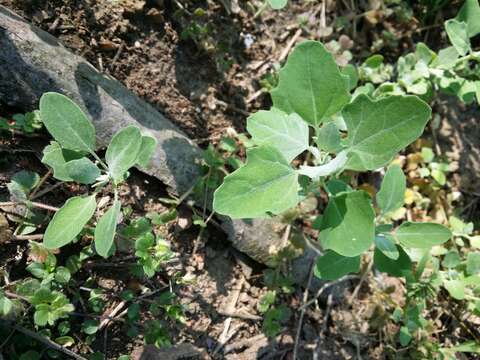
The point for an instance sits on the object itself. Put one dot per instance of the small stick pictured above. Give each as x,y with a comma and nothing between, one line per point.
46,190
302,313
46,341
29,203
114,312
40,183
325,287
290,44
362,280
33,237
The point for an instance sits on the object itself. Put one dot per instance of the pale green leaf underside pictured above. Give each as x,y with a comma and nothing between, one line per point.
83,171
422,235
278,4
123,151
386,244
331,265
67,123
377,130
265,184
147,149
470,13
310,84
56,157
348,224
458,34
286,133
105,230
392,192
69,221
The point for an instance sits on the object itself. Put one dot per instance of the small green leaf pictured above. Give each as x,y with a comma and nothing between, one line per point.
123,151
83,171
69,221
405,336
62,275
451,260
351,71
424,53
147,149
90,327
470,14
328,138
377,130
473,263
287,133
456,288
56,157
310,84
392,192
332,266
105,230
458,34
385,243
23,182
348,226
446,58
6,305
266,183
277,4
67,123
394,267
422,235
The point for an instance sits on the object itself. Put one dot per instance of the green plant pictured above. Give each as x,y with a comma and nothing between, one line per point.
453,71
68,157
313,93
26,123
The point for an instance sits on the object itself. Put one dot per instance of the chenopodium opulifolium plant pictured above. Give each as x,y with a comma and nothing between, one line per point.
455,70
69,157
313,95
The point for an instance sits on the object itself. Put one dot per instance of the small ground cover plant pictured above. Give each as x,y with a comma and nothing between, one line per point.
68,156
454,70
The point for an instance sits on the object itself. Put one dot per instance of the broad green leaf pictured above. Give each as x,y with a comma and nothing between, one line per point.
456,288
385,243
105,230
470,13
394,267
422,235
328,138
277,4
473,263
377,130
287,133
123,151
310,84
69,221
458,34
446,58
147,149
331,265
266,183
392,192
348,224
56,157
67,123
83,171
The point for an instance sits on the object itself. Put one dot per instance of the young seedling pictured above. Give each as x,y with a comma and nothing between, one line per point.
70,157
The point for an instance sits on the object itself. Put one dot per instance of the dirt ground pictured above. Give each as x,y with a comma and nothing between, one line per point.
206,83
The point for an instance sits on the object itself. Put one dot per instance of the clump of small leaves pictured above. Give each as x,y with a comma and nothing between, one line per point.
73,158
